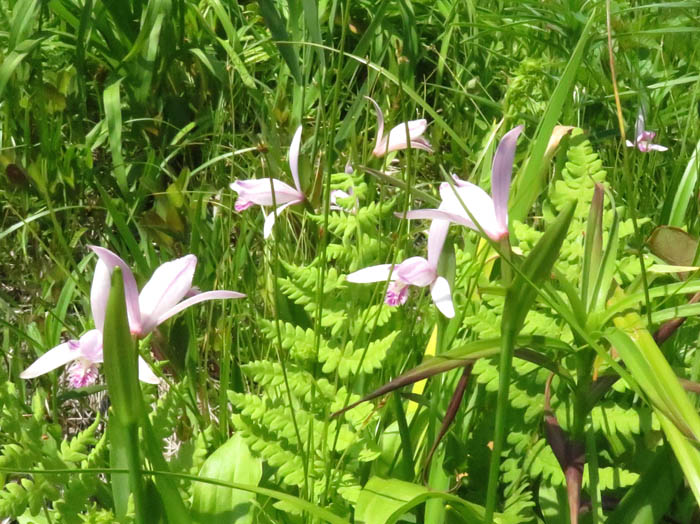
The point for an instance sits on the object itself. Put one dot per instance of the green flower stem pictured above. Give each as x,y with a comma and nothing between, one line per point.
505,366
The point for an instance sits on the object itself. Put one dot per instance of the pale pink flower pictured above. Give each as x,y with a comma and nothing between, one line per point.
397,139
159,300
260,191
491,213
414,271
644,139
339,193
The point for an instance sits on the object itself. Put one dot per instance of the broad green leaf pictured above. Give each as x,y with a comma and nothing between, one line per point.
120,357
650,498
385,501
121,371
232,462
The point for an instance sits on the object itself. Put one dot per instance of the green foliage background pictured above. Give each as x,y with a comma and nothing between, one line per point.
122,124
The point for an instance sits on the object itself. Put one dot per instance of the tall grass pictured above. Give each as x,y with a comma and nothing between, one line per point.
122,125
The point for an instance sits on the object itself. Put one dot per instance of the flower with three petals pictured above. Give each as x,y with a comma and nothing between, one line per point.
271,191
160,299
414,271
643,139
398,138
464,203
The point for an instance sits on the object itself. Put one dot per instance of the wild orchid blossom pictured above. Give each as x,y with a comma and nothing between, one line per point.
414,271
490,213
396,139
260,191
158,301
643,138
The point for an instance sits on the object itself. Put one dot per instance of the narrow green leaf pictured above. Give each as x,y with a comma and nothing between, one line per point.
231,462
685,191
593,245
463,355
312,23
13,59
650,498
231,45
536,268
686,452
276,24
608,264
113,115
653,373
530,183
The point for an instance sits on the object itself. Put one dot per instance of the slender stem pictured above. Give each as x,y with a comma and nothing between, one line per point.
505,366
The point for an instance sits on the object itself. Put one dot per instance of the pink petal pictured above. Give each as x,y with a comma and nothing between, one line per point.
658,147
270,219
421,143
378,273
416,271
440,291
82,373
436,239
397,136
259,192
479,204
640,125
131,291
380,148
201,297
52,359
628,143
501,174
437,214
146,373
396,294
294,159
91,346
168,285
99,293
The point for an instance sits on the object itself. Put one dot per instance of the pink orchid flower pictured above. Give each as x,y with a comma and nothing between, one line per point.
260,191
414,271
644,139
491,213
158,301
396,139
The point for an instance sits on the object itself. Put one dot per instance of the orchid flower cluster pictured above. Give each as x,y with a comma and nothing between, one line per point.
465,204
462,203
